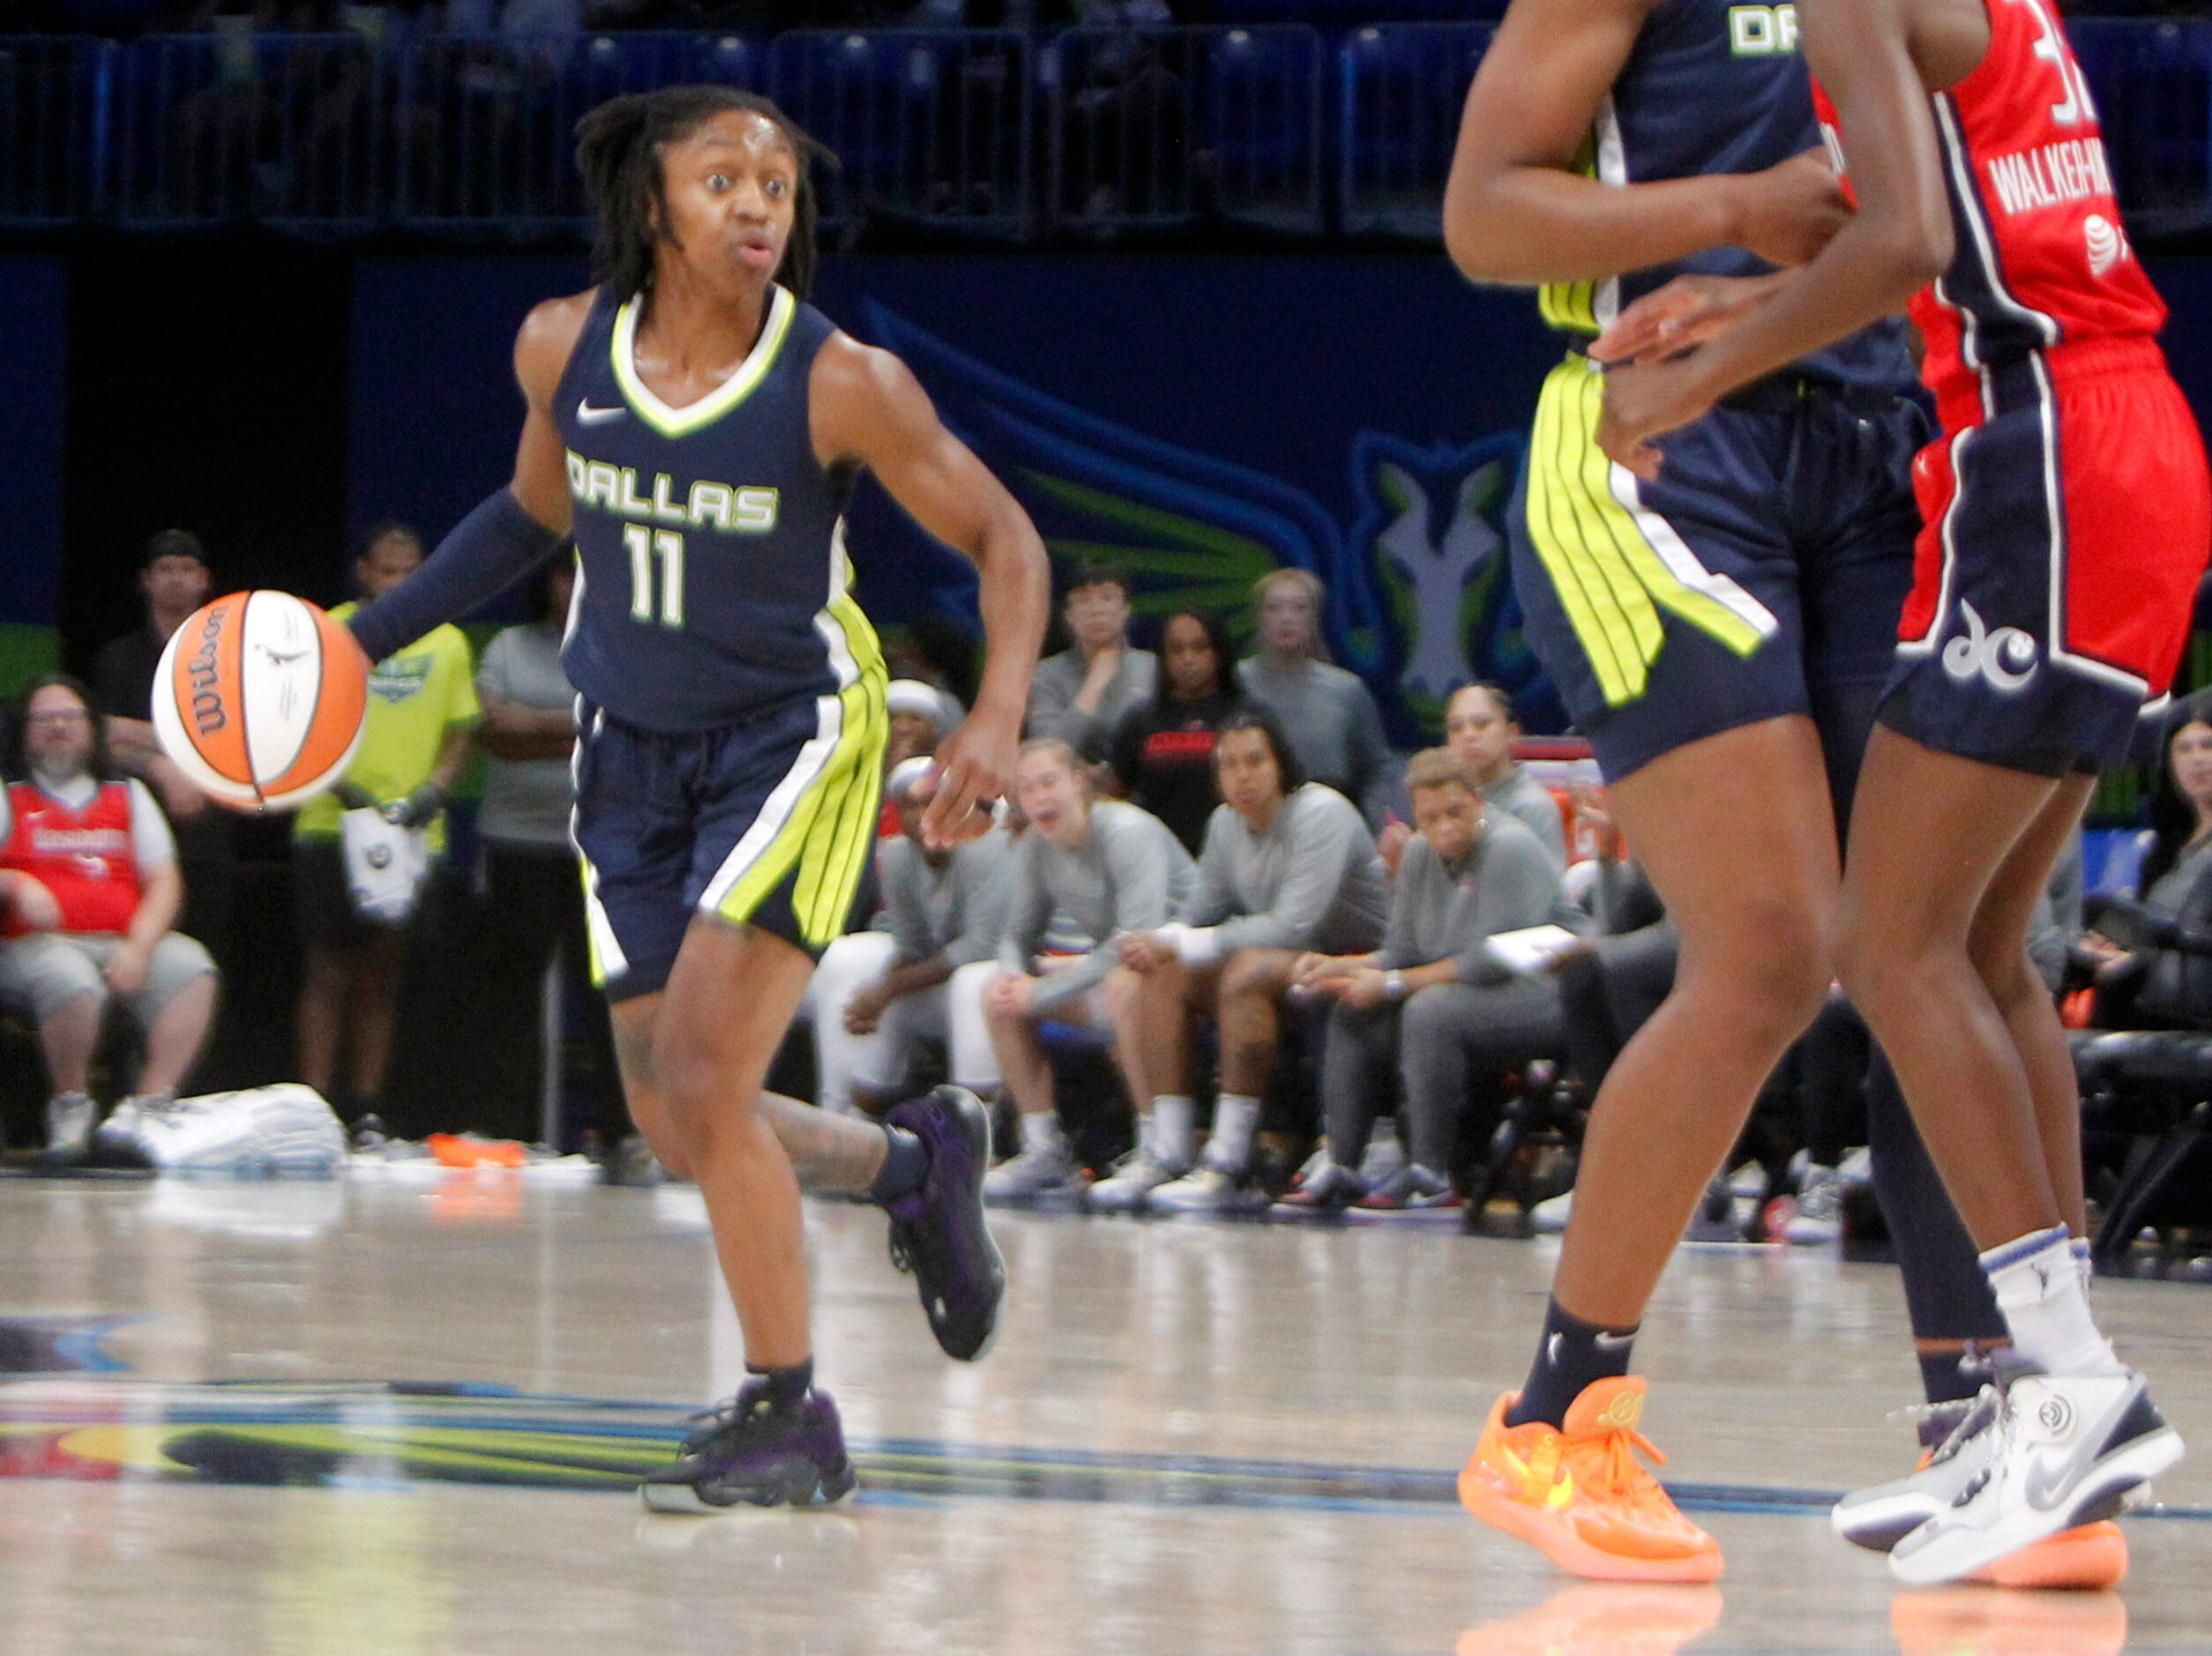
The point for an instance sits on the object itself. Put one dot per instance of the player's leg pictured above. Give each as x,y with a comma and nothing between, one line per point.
1751,973
1046,1164
326,980
1944,1009
1253,984
1151,1014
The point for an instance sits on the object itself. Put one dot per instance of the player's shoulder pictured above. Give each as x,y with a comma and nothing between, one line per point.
845,366
548,336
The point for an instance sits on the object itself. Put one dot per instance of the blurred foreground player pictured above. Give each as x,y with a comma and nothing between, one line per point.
698,427
2068,513
1722,637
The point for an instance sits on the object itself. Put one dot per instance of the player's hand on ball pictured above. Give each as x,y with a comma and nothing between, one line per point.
1645,403
1682,314
1789,212
975,767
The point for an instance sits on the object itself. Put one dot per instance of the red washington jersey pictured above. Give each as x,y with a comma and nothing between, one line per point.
2041,260
82,855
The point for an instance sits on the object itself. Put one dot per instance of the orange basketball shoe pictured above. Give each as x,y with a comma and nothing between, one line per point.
1579,1496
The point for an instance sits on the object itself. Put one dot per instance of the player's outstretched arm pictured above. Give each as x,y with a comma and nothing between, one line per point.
1898,242
1517,210
868,408
514,530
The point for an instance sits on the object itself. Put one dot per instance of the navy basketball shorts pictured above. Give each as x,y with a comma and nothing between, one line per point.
769,824
2067,517
1759,577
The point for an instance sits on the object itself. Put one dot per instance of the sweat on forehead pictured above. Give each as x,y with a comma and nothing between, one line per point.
742,129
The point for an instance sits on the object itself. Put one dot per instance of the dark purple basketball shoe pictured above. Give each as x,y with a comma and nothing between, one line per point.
938,1233
749,1452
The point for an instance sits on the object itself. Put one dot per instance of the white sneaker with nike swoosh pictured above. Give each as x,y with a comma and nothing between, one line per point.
2068,1449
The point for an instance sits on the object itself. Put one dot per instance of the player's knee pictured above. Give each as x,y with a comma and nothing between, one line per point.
1780,967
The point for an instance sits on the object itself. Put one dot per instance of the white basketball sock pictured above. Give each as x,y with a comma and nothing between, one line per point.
2039,1289
1041,1134
1235,1117
1173,1135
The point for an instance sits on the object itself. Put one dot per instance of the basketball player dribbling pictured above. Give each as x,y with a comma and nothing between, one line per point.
1722,635
698,427
2067,516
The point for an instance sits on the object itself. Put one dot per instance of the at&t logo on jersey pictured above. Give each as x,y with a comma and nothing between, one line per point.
1762,31
2107,243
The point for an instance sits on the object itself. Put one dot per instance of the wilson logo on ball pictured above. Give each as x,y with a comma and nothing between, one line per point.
261,699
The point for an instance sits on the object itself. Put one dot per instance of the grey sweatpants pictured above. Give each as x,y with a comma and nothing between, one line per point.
41,974
1446,1040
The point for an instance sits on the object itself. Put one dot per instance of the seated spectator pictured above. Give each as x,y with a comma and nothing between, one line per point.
1110,871
1328,715
423,711
174,581
1078,696
877,994
533,901
1162,753
921,717
1479,725
1432,1001
96,866
1289,869
2140,986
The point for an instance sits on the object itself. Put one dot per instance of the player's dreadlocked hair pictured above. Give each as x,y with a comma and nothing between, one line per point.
618,150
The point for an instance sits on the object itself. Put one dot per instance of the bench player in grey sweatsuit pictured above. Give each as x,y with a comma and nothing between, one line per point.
1109,868
1432,997
1289,867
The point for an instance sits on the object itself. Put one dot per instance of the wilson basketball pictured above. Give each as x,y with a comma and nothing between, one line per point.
261,699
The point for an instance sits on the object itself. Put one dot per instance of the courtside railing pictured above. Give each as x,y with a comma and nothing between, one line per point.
928,125
994,132
1158,129
1401,90
53,126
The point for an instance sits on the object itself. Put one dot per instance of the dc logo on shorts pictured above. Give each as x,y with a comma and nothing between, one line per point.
2004,658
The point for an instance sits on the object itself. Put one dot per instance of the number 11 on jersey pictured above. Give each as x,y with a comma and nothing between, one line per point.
645,546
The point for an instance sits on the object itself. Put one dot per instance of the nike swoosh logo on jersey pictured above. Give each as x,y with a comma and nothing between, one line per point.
587,415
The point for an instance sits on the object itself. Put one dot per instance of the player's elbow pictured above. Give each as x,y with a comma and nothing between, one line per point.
1471,236
1917,251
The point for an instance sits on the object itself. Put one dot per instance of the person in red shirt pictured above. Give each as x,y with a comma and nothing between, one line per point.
2066,512
96,893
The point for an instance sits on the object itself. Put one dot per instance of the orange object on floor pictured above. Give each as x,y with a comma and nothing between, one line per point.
2092,1558
1989,1621
1602,1618
466,1150
1579,1495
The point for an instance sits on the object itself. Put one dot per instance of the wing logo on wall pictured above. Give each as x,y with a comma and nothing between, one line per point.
1420,595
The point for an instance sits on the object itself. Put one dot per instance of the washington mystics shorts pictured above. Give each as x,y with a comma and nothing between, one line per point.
2067,518
771,825
1760,576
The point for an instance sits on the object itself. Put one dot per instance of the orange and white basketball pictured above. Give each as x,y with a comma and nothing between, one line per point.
261,699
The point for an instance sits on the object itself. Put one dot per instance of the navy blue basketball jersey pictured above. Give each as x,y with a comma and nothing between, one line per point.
1711,88
714,586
